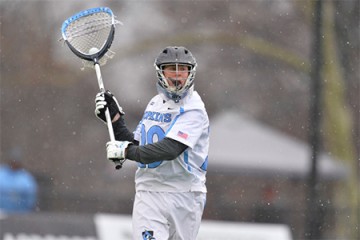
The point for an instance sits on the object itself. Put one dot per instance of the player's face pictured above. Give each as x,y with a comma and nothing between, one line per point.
176,75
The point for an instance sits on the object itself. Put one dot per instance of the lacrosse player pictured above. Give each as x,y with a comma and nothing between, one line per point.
170,145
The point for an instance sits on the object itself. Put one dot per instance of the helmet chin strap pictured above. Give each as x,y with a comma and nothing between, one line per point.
172,96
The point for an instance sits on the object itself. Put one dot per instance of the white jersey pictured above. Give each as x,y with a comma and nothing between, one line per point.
186,122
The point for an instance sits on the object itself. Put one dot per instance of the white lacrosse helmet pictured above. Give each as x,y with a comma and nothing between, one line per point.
175,56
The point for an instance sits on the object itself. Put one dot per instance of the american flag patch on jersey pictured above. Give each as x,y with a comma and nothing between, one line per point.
182,135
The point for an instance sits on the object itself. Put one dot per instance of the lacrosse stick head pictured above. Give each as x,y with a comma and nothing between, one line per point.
89,34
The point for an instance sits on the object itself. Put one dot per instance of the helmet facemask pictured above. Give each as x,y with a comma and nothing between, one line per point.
176,78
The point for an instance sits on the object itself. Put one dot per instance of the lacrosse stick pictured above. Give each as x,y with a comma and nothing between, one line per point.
89,35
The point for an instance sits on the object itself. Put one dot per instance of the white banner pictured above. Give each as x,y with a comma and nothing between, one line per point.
49,226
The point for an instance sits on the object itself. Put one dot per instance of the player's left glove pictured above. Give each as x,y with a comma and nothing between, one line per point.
116,150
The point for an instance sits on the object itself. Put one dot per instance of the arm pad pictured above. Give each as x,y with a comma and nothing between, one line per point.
121,132
166,149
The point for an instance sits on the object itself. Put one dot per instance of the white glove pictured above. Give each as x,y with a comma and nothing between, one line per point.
116,150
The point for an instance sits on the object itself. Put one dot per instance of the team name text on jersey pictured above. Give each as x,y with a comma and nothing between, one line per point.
157,116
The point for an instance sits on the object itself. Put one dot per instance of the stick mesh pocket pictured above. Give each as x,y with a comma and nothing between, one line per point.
88,32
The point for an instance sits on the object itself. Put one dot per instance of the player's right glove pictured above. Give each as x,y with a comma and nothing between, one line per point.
105,100
116,150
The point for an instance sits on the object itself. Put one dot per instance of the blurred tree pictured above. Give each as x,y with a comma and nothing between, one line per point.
338,122
347,39
314,218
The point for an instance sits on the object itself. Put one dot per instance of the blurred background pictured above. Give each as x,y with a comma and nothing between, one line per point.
256,61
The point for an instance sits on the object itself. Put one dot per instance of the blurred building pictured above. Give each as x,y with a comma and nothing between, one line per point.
257,174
